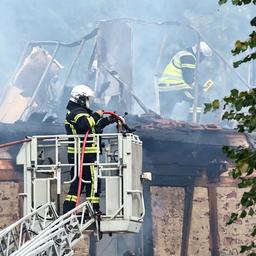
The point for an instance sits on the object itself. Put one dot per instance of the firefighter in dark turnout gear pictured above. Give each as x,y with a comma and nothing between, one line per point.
177,81
79,119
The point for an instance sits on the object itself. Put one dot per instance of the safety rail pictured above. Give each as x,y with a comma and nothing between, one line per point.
117,164
16,235
61,142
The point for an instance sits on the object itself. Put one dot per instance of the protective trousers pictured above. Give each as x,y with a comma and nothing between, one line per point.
88,175
169,99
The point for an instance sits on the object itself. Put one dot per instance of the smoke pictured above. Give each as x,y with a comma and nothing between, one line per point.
153,46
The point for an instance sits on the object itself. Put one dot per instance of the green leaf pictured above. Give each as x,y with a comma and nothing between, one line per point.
243,214
253,21
243,184
252,110
244,248
242,166
240,127
250,171
236,2
236,64
211,106
245,201
246,1
247,58
225,149
234,93
216,104
250,213
207,107
222,2
232,218
239,105
243,94
252,125
254,231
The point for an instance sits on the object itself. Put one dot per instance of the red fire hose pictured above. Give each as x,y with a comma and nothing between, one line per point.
81,168
14,143
82,156
113,114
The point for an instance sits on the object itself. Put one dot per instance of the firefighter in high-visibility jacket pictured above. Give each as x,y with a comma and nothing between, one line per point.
79,119
177,81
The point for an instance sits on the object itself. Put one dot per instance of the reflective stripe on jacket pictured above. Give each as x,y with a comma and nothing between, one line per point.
72,128
172,79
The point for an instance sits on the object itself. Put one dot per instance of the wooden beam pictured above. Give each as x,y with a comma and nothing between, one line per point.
183,181
147,224
213,218
187,216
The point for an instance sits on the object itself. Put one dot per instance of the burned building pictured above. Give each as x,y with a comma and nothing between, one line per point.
187,202
190,196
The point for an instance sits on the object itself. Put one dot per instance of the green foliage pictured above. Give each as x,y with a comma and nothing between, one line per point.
254,231
232,218
247,58
250,43
253,21
211,106
245,248
238,2
243,214
250,213
240,106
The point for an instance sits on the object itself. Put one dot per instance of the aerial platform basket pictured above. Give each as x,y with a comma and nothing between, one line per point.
118,166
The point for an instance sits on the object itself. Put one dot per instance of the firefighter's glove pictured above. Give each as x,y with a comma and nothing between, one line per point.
100,112
112,119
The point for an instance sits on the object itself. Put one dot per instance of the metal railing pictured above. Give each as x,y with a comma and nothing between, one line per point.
16,235
110,162
62,234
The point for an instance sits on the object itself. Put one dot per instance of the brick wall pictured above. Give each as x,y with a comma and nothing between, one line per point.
200,228
82,247
167,210
167,213
232,236
9,203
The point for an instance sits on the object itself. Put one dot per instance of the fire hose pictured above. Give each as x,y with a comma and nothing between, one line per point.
5,145
81,168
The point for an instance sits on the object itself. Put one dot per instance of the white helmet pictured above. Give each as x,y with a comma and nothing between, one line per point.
204,48
83,95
